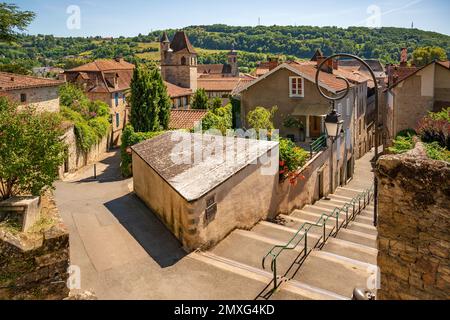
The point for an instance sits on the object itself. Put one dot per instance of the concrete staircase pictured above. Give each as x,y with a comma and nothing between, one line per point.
329,272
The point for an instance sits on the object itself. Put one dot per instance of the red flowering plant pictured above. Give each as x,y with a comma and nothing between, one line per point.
292,158
436,128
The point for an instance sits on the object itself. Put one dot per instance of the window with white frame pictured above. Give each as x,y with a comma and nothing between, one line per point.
296,85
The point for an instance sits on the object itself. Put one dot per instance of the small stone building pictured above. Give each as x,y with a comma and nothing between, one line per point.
41,93
199,185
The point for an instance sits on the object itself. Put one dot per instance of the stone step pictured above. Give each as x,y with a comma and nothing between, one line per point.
291,290
362,227
351,250
281,233
297,222
334,273
364,219
249,248
358,237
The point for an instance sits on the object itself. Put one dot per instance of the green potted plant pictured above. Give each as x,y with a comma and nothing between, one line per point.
293,122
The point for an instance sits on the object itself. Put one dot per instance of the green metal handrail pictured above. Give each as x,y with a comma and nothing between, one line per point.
318,145
354,204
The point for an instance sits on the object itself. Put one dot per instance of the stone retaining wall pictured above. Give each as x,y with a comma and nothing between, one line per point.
414,227
33,265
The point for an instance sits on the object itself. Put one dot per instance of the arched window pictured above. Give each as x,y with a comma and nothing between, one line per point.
183,61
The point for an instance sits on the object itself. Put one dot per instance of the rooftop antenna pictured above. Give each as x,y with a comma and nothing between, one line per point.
259,21
412,25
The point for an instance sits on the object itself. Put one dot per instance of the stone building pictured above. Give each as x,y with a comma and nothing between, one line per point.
411,98
42,93
179,67
107,81
181,97
179,61
202,200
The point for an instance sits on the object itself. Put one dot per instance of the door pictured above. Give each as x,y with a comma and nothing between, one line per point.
315,126
321,185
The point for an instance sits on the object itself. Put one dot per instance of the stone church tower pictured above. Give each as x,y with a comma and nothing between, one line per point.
233,62
179,61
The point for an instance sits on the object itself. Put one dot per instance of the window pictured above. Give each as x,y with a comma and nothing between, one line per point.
117,120
183,61
116,98
23,97
339,108
211,209
296,87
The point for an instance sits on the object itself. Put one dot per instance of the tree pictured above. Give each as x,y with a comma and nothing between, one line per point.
425,55
262,118
220,119
150,103
14,68
12,18
200,100
215,104
31,150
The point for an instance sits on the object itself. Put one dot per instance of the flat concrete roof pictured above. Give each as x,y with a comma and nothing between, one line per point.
193,164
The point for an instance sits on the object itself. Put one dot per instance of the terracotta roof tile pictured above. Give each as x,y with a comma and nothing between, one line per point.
176,91
103,65
218,84
12,81
328,79
185,119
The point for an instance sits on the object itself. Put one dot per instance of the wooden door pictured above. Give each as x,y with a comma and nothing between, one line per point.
315,126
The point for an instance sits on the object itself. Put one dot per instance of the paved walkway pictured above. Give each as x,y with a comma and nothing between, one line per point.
125,252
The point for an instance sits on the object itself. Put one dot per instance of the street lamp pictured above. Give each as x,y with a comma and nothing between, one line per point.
331,126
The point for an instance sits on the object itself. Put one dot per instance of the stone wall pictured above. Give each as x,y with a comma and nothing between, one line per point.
414,224
33,265
77,158
43,99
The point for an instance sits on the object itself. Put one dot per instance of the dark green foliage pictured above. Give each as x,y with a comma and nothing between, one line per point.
11,19
150,103
200,100
215,104
407,133
302,41
292,157
31,150
130,138
91,119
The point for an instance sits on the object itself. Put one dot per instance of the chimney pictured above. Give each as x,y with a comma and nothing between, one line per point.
327,67
119,59
404,57
335,65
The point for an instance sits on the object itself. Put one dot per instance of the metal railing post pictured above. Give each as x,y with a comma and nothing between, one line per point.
274,265
306,244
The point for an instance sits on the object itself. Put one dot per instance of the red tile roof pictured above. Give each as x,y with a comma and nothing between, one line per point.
12,81
309,69
185,119
445,64
176,91
103,65
218,84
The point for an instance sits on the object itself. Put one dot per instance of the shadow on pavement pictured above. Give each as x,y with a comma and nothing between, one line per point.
110,174
147,229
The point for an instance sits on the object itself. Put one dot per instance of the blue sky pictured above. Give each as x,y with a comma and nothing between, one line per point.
131,17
